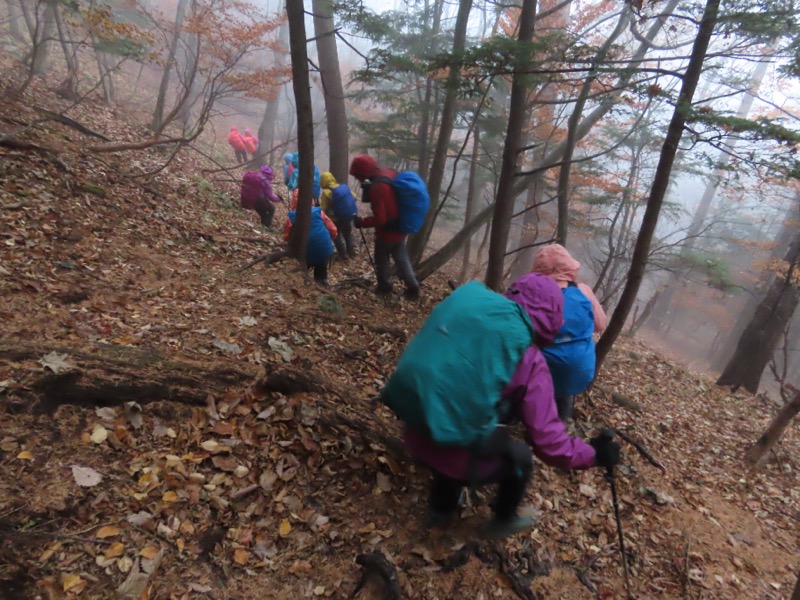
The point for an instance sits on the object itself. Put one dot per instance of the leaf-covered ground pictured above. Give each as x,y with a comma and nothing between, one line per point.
256,494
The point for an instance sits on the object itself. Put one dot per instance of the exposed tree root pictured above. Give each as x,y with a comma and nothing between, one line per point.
112,375
494,555
376,563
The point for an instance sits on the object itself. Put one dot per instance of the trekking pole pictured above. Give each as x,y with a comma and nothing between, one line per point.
364,239
608,434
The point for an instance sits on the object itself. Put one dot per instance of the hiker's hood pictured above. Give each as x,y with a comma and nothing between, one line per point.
556,262
287,158
296,159
267,173
364,167
327,180
233,128
543,300
248,132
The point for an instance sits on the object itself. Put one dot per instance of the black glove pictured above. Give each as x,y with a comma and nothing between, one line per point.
606,449
357,222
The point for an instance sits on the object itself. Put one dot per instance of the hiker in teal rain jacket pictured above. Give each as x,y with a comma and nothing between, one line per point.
293,178
505,460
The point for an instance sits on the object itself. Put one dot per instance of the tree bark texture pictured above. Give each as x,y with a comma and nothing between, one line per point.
41,51
504,207
472,193
762,334
305,129
69,88
419,240
335,112
755,454
15,20
163,88
660,181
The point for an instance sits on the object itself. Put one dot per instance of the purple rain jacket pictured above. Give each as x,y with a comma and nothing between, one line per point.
531,391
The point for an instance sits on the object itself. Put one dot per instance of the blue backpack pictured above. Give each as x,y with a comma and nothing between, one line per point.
571,357
343,204
412,200
320,246
449,379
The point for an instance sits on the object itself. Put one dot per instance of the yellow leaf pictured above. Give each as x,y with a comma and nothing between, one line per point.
169,496
74,584
108,531
319,590
99,435
240,556
25,455
148,552
181,545
114,550
285,528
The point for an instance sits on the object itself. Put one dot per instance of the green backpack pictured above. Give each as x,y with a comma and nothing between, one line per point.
448,381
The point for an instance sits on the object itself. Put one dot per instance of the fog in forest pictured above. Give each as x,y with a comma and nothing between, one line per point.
599,83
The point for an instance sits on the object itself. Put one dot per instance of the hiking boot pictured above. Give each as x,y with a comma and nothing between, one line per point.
500,528
382,291
437,520
413,293
322,282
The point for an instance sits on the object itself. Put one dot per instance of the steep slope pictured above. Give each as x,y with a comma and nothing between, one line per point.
256,481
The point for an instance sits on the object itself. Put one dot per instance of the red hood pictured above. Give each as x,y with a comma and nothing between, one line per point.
364,167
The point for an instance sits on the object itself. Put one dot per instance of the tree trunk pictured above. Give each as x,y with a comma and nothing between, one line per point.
336,115
701,212
755,454
41,50
266,131
425,117
574,120
69,88
472,192
15,18
761,335
418,241
504,207
161,100
305,129
660,181
796,592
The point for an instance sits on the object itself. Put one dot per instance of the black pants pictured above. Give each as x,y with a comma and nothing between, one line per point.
344,241
320,272
241,156
513,475
565,404
265,210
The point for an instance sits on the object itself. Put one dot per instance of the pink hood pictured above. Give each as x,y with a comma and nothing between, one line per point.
542,299
556,262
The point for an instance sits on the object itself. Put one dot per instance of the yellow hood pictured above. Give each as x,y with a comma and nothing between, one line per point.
327,180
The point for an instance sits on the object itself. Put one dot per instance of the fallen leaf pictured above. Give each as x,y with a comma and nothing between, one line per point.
107,531
225,463
86,476
56,362
148,552
114,550
285,528
211,446
247,321
319,590
240,556
73,584
25,455
282,348
587,490
227,347
133,413
99,435
384,483
300,567
169,496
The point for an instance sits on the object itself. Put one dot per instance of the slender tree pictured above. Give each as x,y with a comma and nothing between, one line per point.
161,99
660,180
436,175
266,131
332,88
305,128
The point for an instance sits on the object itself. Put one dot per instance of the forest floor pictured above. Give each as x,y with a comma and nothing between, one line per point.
159,440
